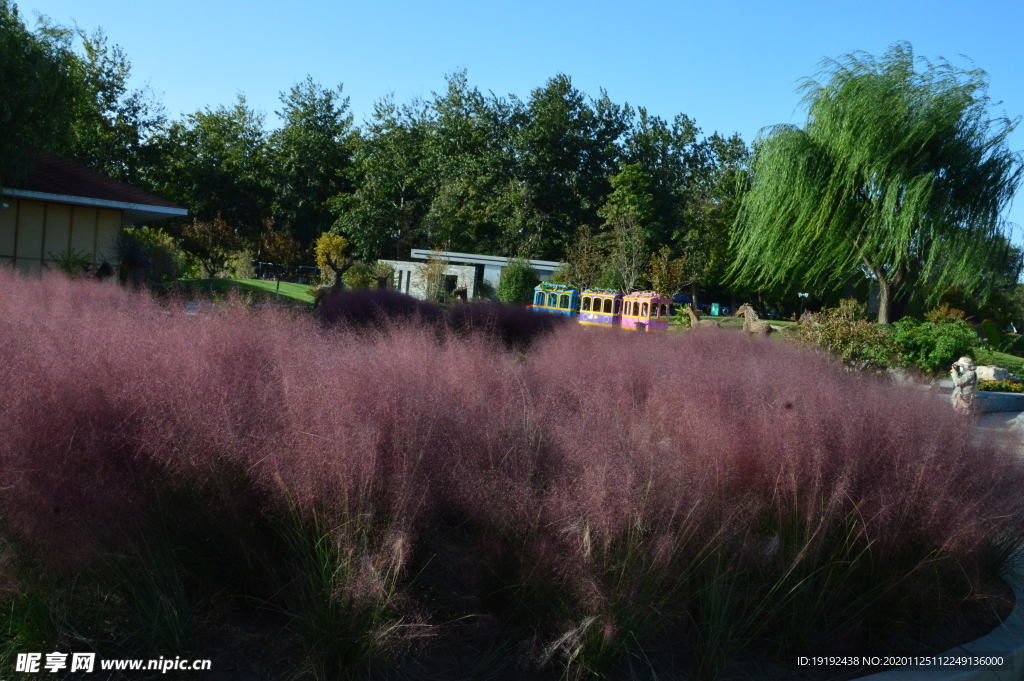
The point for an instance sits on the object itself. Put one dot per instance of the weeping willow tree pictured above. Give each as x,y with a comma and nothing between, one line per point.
899,173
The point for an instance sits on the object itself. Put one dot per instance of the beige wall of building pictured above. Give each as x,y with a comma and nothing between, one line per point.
408,277
33,232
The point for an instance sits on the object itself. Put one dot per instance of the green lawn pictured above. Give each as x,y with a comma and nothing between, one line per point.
1012,362
260,290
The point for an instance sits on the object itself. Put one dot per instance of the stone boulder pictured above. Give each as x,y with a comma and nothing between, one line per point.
994,373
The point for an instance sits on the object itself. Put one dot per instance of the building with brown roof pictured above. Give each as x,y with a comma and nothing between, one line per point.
61,207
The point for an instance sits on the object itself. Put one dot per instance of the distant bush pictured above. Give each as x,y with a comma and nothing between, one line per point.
517,282
929,346
573,508
73,262
933,346
845,332
366,275
150,254
944,313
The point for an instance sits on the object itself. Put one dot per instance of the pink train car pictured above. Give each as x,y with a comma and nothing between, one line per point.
645,311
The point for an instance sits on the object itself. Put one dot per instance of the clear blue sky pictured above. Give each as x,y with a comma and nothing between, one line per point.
730,65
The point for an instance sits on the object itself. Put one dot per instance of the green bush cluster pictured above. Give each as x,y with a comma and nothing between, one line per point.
933,346
846,333
152,254
517,282
927,346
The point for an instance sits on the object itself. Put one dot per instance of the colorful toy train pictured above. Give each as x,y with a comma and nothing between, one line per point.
637,311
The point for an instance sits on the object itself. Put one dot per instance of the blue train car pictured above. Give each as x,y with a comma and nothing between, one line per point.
555,299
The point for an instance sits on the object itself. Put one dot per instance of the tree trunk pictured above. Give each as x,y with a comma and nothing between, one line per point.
884,300
887,292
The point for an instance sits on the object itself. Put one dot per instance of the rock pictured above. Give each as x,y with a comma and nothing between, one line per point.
902,376
994,373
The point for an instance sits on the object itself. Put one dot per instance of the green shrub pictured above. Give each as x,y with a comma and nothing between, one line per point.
364,275
517,282
152,252
933,346
845,332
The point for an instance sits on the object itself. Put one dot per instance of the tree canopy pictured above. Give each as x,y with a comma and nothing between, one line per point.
462,169
898,171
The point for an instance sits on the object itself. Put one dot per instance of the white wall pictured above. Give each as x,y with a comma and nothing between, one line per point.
408,277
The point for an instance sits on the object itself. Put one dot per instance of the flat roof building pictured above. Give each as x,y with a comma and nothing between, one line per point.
63,207
488,266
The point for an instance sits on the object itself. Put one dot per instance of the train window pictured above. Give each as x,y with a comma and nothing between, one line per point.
625,308
607,305
564,302
664,310
539,299
586,304
618,306
644,308
552,300
654,310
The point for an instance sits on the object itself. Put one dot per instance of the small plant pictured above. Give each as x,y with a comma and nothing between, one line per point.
343,606
73,263
431,277
369,275
944,313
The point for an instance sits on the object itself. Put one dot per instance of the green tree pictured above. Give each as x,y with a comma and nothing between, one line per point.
666,274
383,216
629,216
585,260
309,155
566,149
114,126
475,200
39,89
211,243
215,161
279,247
896,171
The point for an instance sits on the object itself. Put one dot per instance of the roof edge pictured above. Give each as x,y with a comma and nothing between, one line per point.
99,203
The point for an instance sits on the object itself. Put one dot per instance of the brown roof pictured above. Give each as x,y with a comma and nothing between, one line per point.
52,174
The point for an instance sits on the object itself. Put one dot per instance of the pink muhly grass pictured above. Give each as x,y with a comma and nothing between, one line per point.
611,475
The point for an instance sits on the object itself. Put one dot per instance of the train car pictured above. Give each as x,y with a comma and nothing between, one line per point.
555,299
601,307
645,311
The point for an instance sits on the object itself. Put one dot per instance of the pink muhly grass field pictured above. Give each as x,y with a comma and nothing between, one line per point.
613,493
